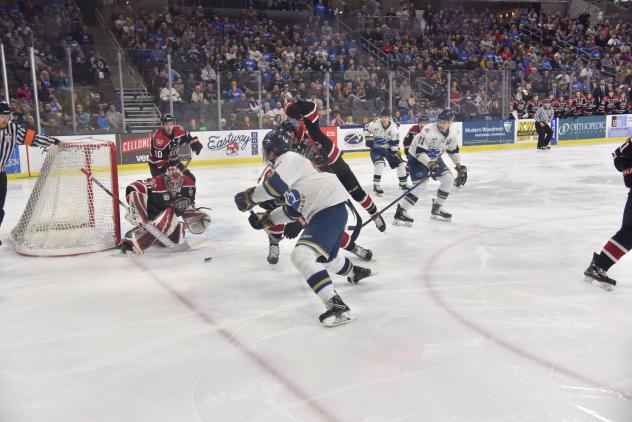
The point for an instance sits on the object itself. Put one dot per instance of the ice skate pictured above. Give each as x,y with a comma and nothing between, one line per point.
273,254
360,252
596,275
438,214
402,218
358,273
337,313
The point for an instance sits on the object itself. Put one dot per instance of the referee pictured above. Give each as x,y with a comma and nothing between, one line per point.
11,135
543,119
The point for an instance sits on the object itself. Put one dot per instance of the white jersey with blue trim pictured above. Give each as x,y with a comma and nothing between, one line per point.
385,137
305,189
430,143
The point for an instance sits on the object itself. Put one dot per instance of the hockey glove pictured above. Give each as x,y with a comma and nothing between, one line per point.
433,168
292,229
369,141
244,201
259,220
461,176
196,146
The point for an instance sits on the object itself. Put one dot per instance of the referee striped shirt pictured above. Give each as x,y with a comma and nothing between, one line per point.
13,135
544,114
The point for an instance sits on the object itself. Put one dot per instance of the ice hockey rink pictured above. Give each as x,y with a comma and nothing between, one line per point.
486,318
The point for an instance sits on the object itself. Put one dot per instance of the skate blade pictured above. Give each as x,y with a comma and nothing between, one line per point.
344,318
402,223
602,285
438,218
378,194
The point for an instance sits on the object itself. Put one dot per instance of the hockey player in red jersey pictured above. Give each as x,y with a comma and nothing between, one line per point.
413,131
165,147
161,201
621,242
305,112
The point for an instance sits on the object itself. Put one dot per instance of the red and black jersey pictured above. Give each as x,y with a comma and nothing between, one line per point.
520,107
165,148
532,107
159,198
578,103
306,112
308,148
621,106
408,139
590,106
607,105
559,108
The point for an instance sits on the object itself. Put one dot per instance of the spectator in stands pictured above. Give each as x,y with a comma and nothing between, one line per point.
231,122
115,118
469,111
234,93
83,118
208,73
102,121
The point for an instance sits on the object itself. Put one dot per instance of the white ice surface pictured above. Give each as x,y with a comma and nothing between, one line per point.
486,318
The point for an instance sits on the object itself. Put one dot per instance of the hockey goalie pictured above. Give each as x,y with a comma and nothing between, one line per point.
165,203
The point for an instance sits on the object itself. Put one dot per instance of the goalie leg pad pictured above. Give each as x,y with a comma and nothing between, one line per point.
137,212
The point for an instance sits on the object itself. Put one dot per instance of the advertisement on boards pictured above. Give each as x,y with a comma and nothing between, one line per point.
619,126
489,132
586,127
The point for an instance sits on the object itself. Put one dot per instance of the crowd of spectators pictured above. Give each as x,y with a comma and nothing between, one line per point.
52,27
557,55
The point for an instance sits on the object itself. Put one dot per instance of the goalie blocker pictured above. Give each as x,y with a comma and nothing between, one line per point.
166,202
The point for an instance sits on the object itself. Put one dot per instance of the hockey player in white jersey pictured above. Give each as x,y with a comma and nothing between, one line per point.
382,136
425,161
320,199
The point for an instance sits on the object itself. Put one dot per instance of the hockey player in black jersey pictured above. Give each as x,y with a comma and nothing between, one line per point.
621,242
305,112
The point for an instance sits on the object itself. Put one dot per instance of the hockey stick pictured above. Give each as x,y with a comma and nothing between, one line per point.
397,199
153,230
358,226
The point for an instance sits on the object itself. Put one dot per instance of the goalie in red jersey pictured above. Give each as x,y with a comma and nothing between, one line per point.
166,202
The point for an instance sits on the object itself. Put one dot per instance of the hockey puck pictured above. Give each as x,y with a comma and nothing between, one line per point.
208,259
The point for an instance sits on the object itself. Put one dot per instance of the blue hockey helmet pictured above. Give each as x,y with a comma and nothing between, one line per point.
276,141
446,114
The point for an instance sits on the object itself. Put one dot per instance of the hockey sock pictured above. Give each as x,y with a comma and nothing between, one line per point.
441,197
401,172
321,285
612,252
305,259
411,197
340,265
364,200
378,169
346,242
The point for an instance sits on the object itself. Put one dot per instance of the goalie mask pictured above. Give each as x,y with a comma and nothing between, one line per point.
173,179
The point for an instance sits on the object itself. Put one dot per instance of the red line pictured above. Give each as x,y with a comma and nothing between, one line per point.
252,355
428,280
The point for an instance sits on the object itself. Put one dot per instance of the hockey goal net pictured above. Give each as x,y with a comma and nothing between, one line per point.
66,213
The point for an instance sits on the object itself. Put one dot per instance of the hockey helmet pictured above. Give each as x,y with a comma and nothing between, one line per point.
423,118
173,179
386,112
446,114
276,141
167,118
